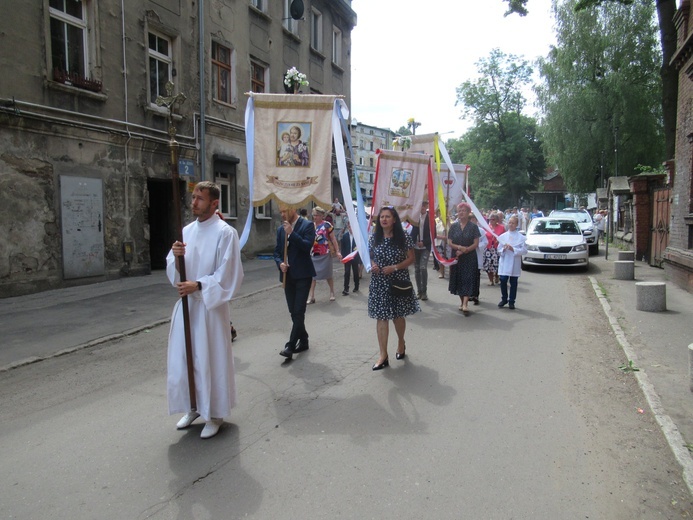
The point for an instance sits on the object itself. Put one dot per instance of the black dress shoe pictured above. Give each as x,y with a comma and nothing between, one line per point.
345,293
382,365
288,351
301,347
402,355
511,306
502,303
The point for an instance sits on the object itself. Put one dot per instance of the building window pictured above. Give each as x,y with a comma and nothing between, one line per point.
370,161
289,23
221,73
336,46
225,177
258,4
316,30
264,211
258,78
70,44
160,65
371,143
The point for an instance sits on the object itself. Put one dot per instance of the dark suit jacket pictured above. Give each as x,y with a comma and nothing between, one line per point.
298,251
424,234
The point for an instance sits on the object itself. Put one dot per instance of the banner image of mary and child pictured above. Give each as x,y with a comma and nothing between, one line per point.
292,144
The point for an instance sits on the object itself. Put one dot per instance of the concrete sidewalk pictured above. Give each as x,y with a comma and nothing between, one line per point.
55,322
657,344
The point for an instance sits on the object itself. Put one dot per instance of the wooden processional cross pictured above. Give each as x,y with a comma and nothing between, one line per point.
170,101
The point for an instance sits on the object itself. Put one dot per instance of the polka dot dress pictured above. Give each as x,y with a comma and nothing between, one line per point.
381,304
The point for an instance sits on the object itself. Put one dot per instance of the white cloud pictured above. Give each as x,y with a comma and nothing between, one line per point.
408,57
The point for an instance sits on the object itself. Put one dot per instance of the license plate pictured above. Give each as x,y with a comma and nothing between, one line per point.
555,257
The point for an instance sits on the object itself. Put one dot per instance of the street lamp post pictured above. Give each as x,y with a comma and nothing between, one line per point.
413,125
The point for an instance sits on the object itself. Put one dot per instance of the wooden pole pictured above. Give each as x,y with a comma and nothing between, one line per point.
169,102
286,246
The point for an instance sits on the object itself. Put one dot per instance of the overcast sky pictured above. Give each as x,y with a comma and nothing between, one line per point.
408,56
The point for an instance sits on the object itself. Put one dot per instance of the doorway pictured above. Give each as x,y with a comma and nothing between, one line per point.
162,231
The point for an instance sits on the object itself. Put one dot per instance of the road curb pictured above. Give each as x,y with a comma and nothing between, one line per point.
669,429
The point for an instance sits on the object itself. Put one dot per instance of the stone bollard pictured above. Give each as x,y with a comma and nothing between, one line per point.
651,296
624,270
628,256
690,365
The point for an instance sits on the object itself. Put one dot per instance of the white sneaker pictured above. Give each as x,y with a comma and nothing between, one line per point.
187,420
211,428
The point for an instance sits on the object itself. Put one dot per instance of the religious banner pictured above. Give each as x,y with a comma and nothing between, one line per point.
292,148
452,184
400,181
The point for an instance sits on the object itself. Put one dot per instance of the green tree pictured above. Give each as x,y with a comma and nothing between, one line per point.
502,149
668,41
601,93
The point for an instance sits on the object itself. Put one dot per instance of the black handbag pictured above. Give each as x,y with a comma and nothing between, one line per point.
401,288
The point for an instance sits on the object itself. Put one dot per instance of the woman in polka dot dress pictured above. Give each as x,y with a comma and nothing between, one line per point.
392,252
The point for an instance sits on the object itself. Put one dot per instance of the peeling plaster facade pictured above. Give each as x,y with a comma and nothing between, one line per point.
102,124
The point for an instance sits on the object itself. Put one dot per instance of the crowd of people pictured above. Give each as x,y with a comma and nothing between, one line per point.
304,253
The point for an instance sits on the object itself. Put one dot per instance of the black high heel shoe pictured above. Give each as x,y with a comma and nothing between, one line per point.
402,355
382,365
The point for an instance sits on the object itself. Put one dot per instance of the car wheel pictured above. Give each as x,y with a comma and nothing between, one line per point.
594,249
525,267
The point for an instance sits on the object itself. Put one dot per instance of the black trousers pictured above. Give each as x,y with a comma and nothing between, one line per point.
296,292
350,267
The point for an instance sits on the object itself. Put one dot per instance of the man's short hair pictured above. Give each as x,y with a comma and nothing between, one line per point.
211,187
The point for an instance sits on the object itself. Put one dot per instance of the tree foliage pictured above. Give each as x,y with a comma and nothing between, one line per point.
503,148
601,95
668,40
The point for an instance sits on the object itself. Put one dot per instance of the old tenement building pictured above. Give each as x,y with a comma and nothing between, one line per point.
85,189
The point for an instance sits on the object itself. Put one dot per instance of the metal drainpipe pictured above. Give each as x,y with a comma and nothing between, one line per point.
127,126
201,153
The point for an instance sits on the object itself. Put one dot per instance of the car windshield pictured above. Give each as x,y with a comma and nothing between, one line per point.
580,216
556,227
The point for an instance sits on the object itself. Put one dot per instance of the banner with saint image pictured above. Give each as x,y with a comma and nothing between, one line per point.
400,181
292,148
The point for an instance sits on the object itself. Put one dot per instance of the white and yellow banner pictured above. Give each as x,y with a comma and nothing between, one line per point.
292,138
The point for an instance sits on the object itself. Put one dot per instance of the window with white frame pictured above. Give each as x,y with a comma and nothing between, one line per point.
258,4
289,23
160,64
264,211
222,73
225,177
258,77
336,46
69,47
316,30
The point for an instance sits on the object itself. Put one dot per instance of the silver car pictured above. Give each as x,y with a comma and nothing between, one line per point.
587,225
555,242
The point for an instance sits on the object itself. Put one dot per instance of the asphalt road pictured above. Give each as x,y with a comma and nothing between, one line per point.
500,415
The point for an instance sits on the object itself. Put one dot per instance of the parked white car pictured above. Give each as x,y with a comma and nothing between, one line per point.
587,225
555,242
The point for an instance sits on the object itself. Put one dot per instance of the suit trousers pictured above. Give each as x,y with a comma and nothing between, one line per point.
348,268
296,292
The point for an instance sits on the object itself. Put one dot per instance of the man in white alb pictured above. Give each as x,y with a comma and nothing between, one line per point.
214,273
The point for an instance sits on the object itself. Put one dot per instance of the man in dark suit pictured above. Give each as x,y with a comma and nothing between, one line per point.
297,267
